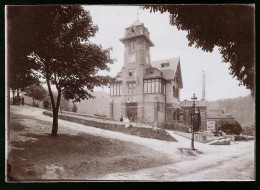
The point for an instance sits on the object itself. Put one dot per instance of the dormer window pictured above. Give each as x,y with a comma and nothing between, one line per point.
165,64
132,30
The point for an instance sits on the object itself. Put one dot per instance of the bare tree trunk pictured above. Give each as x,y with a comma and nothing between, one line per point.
55,109
54,113
54,131
13,96
33,102
18,93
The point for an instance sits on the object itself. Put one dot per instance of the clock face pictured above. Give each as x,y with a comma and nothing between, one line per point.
132,58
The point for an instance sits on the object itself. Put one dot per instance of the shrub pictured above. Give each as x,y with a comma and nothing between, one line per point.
229,126
36,104
248,130
178,127
74,108
46,104
243,138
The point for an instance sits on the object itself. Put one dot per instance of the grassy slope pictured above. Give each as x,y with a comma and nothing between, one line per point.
159,134
35,155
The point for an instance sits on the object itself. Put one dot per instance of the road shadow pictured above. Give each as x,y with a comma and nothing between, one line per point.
189,151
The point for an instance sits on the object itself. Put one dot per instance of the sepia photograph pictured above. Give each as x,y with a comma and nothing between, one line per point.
144,93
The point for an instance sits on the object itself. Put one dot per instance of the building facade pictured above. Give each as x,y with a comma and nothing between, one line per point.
187,112
215,115
145,91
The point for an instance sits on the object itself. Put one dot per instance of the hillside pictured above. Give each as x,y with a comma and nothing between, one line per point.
98,105
241,108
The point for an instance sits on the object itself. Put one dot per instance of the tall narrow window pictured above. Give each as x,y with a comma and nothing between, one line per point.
116,89
120,91
153,84
149,86
157,86
160,83
145,86
131,88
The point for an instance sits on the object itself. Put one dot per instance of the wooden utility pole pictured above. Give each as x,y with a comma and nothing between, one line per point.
194,98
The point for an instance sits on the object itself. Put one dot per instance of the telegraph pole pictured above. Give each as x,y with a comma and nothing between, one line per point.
194,98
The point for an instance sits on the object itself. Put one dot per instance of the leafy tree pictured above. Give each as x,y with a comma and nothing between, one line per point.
65,104
229,27
228,126
74,108
36,92
47,103
19,45
62,54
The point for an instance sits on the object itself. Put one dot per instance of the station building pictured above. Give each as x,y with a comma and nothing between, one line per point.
145,91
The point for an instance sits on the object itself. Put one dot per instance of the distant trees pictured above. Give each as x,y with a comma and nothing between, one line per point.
241,108
74,108
60,51
228,126
46,104
65,105
36,92
231,28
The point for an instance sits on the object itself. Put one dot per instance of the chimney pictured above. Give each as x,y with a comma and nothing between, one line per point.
203,87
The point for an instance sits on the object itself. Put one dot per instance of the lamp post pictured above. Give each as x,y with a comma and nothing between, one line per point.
194,98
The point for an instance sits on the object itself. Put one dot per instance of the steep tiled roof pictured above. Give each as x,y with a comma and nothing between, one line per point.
173,63
168,74
169,68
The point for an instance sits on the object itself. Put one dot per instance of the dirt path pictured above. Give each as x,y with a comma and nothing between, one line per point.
208,162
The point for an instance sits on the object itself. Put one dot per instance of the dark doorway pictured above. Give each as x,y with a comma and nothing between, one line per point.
131,111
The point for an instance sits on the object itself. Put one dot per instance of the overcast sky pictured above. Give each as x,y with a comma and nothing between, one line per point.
169,43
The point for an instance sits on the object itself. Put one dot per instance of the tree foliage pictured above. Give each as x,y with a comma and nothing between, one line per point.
60,51
36,92
241,108
228,126
249,130
19,46
229,27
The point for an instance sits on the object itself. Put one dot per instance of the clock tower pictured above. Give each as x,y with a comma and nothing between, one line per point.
137,44
136,60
